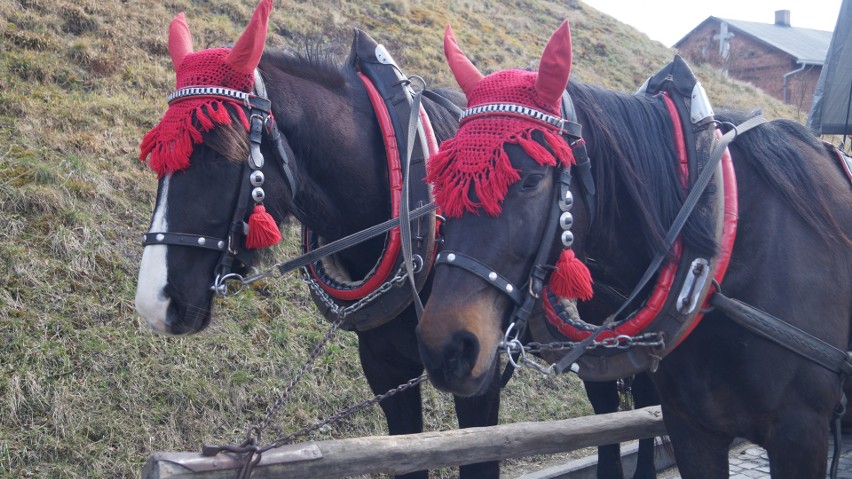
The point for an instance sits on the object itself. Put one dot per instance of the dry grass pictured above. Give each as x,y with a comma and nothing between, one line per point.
85,389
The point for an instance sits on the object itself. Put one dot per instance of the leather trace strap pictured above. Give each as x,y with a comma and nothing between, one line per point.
404,214
784,334
444,102
351,240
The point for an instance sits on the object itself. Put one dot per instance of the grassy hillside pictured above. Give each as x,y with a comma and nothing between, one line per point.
85,389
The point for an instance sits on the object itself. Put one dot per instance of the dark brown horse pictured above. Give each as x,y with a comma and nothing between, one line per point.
791,257
336,153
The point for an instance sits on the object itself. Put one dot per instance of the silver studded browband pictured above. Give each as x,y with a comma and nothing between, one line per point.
209,91
512,109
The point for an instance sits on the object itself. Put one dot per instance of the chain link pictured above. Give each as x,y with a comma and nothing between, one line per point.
335,308
622,341
312,357
346,412
341,313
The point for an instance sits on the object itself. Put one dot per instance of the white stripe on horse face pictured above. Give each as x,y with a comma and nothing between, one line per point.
151,302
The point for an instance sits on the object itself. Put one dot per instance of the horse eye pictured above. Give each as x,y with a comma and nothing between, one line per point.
531,181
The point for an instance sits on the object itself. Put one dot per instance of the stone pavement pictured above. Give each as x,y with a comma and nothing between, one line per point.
748,461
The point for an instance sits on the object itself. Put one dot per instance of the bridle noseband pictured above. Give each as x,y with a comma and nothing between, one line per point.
259,111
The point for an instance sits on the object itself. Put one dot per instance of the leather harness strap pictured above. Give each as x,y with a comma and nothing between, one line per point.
784,334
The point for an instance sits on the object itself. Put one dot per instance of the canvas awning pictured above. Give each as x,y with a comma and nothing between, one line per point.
831,112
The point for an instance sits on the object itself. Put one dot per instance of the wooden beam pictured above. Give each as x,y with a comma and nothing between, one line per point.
429,450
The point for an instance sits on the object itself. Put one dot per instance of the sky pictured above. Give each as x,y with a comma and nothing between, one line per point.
667,21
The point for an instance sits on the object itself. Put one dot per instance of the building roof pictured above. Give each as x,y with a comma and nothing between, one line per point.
806,45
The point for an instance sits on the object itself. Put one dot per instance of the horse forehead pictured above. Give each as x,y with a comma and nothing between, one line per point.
209,68
509,86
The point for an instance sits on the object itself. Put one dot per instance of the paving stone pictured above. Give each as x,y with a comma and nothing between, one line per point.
750,462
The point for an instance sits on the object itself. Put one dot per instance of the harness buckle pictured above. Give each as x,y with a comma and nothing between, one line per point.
693,285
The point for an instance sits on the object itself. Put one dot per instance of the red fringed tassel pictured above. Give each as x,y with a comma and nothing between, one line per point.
263,231
571,278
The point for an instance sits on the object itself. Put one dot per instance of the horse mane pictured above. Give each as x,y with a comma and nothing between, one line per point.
631,144
314,63
444,122
321,63
775,151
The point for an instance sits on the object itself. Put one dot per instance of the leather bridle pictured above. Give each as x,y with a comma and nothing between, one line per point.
258,108
560,217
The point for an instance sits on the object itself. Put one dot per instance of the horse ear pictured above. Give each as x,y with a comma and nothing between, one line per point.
245,55
555,65
180,40
466,74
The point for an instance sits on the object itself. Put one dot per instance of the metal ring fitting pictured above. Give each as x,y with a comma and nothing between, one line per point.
256,178
258,194
417,263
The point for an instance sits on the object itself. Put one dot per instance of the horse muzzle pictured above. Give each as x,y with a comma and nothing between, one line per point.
458,346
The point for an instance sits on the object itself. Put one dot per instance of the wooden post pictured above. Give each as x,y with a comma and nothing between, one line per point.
429,450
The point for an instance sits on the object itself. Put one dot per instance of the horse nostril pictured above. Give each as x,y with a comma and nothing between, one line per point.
461,354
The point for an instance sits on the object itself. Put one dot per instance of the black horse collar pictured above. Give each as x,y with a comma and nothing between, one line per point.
375,299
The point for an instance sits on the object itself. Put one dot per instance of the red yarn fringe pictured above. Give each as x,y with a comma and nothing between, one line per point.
168,145
263,231
571,278
452,184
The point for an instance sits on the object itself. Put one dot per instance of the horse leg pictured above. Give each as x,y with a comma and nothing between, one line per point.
604,398
799,446
644,394
389,358
480,411
700,453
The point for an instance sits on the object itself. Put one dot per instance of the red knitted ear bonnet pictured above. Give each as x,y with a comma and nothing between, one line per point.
168,145
476,156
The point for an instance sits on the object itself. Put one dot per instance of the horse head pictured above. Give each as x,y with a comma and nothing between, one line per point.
217,200
508,160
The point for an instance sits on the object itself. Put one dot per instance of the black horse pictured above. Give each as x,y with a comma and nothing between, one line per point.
331,133
791,256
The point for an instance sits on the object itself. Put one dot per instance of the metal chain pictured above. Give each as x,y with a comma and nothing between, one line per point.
346,412
249,445
312,357
340,312
253,453
622,341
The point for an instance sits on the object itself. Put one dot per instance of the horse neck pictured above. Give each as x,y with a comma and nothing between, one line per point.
338,152
615,238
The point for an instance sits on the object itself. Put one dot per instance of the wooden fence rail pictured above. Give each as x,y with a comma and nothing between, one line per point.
428,450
